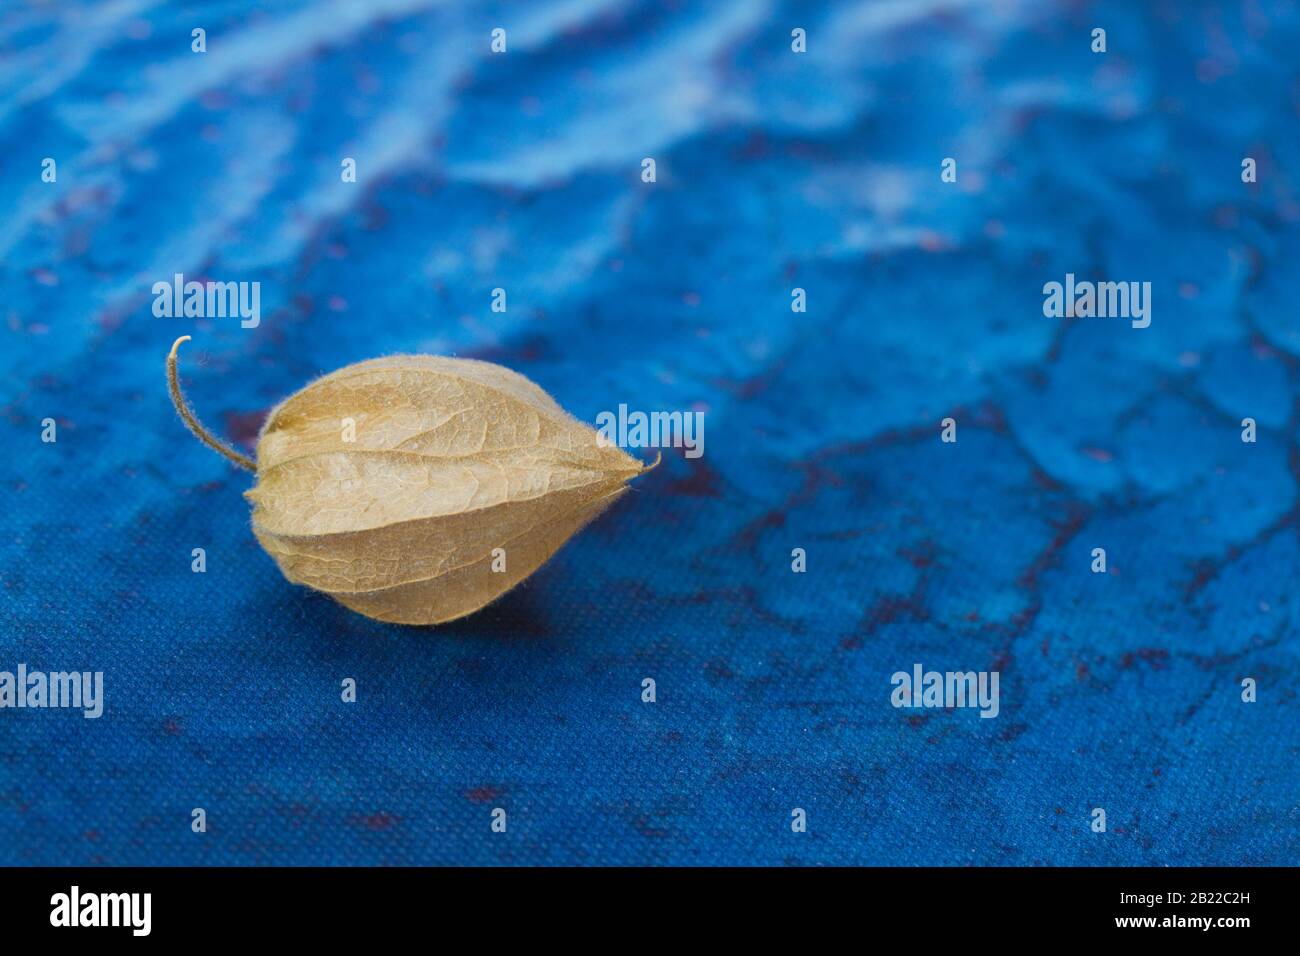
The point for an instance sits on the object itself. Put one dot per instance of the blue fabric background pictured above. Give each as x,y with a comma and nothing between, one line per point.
775,170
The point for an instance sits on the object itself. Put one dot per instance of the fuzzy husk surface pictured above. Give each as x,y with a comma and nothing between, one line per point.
399,513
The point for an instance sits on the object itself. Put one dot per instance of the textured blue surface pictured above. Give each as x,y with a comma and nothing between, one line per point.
775,170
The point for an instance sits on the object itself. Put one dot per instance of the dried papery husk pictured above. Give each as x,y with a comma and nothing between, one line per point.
450,460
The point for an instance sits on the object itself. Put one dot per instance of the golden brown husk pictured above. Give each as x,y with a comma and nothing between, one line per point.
450,459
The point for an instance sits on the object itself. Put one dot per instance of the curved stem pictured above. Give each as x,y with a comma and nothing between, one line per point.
191,421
